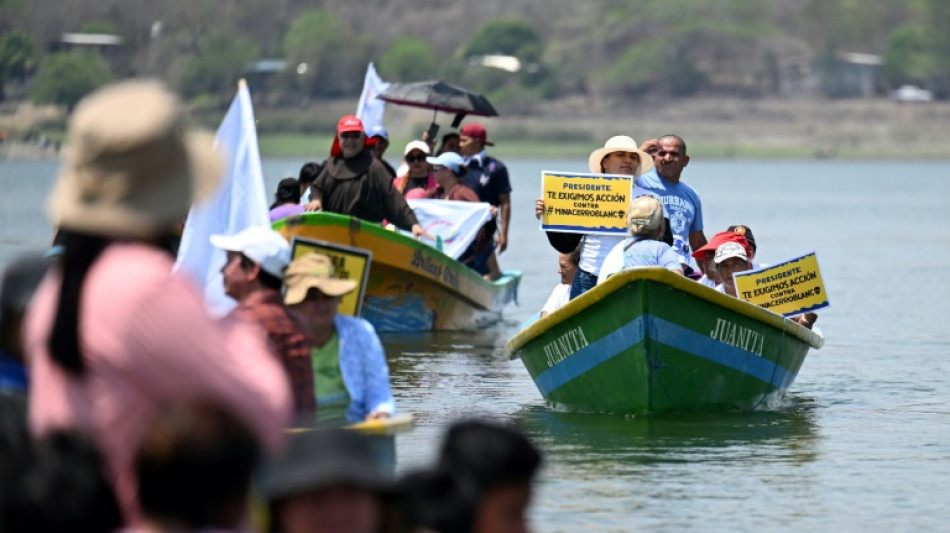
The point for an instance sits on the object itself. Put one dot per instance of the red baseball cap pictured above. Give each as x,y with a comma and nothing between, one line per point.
476,131
346,124
349,123
718,240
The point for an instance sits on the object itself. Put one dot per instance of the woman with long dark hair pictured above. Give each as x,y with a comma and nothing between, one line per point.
112,335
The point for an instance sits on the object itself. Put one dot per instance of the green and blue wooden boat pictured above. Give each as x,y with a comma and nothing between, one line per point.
651,341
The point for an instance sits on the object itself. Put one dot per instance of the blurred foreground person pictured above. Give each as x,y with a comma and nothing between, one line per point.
349,366
58,485
112,335
194,468
20,280
482,482
326,481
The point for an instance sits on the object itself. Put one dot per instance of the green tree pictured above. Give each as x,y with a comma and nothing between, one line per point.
65,77
409,59
909,56
508,36
17,57
218,64
327,56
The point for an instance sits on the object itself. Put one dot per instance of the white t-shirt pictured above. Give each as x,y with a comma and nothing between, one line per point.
595,249
559,296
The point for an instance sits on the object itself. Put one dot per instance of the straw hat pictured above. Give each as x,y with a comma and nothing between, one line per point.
313,271
132,168
620,143
644,215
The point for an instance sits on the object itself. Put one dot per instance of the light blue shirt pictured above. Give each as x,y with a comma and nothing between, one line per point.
364,369
680,202
642,253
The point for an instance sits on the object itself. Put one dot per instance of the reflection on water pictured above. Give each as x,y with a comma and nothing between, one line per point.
787,434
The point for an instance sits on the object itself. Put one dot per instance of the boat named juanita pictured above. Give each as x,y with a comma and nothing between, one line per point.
738,336
565,345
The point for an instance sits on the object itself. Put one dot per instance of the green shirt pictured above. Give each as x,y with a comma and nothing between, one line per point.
331,393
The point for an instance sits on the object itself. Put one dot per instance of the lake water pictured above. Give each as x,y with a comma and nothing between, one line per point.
862,442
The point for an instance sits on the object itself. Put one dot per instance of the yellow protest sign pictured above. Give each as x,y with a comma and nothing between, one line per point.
348,263
788,288
585,203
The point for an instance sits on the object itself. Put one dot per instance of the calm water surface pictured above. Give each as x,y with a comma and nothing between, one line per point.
862,442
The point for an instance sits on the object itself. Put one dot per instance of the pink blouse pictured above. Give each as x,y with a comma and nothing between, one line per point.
147,342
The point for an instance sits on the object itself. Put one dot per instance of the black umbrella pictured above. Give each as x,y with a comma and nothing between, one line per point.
439,96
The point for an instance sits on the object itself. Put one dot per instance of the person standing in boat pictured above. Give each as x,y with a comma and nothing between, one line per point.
354,182
643,248
680,201
417,174
252,274
349,366
620,155
449,170
488,177
379,138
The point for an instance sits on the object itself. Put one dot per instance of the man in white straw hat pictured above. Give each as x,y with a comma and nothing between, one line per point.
112,337
620,155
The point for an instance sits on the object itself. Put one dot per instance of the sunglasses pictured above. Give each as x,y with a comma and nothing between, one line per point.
415,158
350,135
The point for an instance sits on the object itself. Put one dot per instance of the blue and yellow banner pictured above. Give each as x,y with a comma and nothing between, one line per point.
348,263
789,288
585,203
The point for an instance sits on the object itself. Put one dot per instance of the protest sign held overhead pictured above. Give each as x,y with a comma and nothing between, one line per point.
585,203
789,288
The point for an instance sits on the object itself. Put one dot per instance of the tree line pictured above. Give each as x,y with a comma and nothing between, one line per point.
597,48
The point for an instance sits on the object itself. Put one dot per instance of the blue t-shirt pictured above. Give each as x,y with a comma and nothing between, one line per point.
680,202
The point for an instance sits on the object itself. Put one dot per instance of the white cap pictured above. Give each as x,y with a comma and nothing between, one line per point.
728,250
417,145
260,244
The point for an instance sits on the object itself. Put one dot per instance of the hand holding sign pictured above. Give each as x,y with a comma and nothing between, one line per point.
789,288
584,203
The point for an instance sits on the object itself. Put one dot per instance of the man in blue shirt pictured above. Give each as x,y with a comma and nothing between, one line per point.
680,201
488,177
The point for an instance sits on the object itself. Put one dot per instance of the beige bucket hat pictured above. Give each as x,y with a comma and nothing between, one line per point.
644,215
132,167
313,271
620,143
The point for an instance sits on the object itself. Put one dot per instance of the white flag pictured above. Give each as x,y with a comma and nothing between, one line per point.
239,203
370,109
456,222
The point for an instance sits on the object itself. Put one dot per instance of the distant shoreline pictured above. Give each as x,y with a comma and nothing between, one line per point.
715,128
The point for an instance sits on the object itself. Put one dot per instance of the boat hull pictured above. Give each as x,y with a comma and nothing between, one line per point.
411,286
650,341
